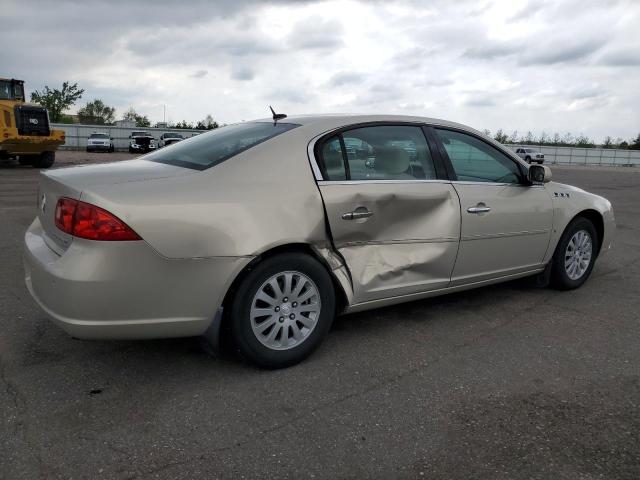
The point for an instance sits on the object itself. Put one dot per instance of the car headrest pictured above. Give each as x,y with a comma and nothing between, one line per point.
391,160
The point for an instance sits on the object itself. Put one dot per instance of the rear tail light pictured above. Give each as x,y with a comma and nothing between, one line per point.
84,220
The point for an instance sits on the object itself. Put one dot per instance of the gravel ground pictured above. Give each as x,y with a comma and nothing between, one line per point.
504,382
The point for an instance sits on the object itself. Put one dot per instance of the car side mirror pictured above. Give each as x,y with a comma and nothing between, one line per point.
539,174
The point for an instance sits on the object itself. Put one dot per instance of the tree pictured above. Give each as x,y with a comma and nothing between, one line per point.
607,142
514,137
209,123
132,116
183,125
567,139
500,136
544,138
528,139
487,132
97,112
556,140
583,141
57,101
635,143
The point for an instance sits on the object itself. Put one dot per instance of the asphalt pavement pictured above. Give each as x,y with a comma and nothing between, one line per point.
503,382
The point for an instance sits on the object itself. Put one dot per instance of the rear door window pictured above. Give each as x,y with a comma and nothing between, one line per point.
380,152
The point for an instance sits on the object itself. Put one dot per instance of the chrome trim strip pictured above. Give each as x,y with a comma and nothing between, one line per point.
428,123
504,235
399,242
312,158
365,182
493,184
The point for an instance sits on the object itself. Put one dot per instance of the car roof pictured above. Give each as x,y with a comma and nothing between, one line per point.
342,119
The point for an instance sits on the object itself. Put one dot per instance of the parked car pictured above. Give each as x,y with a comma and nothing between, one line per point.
269,229
169,138
100,142
530,155
141,142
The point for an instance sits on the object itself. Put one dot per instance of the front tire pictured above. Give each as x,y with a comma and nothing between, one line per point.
282,310
575,255
527,159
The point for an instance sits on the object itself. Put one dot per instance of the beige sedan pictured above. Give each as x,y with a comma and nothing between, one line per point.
273,227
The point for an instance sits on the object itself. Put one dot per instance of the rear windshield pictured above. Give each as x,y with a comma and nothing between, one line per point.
212,148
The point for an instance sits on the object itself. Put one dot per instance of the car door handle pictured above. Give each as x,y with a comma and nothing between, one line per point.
480,208
357,214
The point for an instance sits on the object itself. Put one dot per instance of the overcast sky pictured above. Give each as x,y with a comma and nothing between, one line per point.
537,65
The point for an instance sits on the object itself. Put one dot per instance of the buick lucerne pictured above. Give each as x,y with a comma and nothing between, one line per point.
269,229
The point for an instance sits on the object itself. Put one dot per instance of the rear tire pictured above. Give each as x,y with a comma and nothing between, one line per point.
282,310
45,160
575,255
527,159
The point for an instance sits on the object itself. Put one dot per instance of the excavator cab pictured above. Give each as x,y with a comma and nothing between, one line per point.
25,133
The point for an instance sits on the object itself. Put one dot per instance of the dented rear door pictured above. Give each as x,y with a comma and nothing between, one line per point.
408,244
392,216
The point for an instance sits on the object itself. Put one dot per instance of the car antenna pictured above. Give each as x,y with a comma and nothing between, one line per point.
276,116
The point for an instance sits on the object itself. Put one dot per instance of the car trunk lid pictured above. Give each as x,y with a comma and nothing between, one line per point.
73,181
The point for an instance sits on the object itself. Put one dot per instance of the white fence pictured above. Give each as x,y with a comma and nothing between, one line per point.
76,135
76,139
585,156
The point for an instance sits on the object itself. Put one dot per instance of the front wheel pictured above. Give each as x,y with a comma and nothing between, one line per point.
283,310
575,255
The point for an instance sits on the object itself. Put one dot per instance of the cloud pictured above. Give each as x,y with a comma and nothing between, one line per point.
316,33
493,50
527,64
622,57
242,73
480,101
346,78
562,52
289,97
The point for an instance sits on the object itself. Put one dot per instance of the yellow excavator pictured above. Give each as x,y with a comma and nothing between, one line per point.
25,133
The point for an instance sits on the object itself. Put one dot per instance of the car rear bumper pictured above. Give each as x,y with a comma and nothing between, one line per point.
125,290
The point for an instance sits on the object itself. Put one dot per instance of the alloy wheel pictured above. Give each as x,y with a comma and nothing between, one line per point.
578,254
285,310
